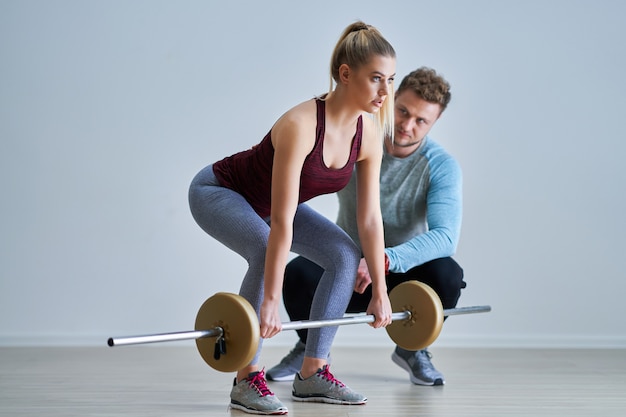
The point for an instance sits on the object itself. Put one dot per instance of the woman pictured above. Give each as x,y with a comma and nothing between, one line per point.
253,202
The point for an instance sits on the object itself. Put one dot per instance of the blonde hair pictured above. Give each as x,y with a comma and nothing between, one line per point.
356,46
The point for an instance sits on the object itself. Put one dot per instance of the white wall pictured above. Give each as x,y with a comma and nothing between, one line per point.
108,109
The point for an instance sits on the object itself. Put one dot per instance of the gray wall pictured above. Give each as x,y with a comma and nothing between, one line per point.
108,109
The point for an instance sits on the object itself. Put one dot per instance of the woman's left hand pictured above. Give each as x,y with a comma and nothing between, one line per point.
380,307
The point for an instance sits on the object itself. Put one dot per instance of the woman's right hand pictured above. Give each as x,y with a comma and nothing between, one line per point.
270,321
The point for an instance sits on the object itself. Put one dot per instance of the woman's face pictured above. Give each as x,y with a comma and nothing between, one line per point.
371,83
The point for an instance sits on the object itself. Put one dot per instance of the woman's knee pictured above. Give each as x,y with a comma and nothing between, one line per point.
348,253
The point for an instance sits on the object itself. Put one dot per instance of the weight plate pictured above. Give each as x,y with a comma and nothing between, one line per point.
424,326
237,317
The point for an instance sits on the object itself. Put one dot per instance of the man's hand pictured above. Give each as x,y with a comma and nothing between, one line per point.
363,279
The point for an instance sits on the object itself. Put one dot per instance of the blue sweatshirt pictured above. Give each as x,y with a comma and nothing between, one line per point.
421,203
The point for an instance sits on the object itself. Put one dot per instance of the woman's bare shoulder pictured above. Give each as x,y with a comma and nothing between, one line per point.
305,110
301,116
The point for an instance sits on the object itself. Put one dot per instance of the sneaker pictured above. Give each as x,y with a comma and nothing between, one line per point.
418,365
252,396
290,365
323,387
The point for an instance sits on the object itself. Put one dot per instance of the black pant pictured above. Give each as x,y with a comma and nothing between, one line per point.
443,275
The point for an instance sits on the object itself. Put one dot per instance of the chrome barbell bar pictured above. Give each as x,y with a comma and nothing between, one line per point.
292,325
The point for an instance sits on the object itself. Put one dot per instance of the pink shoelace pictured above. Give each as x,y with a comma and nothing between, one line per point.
325,373
259,383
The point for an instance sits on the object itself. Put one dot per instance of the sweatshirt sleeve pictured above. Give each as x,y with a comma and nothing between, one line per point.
444,215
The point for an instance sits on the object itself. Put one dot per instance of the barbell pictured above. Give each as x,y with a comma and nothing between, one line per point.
227,330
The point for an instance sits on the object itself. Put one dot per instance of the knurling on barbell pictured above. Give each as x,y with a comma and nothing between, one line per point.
227,329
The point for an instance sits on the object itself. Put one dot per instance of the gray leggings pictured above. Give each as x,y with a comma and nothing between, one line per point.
228,217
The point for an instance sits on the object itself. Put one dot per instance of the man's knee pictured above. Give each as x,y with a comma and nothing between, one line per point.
454,273
445,276
450,281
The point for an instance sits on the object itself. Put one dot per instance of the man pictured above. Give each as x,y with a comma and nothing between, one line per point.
421,202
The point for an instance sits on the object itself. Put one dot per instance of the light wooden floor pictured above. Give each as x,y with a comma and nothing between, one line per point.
172,380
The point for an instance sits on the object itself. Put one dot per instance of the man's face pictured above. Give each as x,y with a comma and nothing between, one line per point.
414,117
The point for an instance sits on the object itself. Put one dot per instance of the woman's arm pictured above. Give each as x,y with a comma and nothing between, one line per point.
370,224
293,139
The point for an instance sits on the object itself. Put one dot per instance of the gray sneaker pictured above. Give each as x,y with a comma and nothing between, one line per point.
252,396
290,365
323,387
418,365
